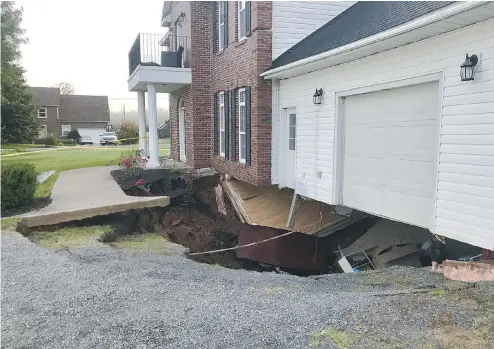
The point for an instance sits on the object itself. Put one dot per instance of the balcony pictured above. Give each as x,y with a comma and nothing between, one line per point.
162,60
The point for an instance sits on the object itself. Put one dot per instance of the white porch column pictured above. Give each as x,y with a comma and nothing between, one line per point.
153,127
141,108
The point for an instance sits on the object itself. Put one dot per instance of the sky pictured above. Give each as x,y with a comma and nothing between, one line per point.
87,43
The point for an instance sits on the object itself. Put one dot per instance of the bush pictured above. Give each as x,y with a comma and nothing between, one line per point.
18,185
50,140
128,130
67,142
74,135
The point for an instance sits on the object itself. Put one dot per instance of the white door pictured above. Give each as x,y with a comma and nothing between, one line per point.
181,136
94,133
390,151
289,136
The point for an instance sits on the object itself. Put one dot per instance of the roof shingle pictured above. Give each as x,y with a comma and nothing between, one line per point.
77,108
46,96
363,19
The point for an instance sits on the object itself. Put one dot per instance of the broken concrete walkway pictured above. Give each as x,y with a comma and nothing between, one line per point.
86,193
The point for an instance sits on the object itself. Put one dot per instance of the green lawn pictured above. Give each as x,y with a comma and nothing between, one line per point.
63,159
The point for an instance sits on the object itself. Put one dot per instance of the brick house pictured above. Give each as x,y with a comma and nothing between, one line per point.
59,114
210,61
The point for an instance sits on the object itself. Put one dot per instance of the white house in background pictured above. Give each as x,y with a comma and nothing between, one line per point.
397,133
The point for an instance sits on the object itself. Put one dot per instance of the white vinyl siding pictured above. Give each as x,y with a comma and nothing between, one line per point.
241,20
294,20
42,113
242,120
221,109
465,192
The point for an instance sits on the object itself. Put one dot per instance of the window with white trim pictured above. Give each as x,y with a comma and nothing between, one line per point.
242,125
292,129
221,104
42,113
65,130
221,25
241,20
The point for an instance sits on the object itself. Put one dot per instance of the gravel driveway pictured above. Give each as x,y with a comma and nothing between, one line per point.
100,297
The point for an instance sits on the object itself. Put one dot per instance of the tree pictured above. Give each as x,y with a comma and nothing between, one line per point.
129,132
20,123
66,88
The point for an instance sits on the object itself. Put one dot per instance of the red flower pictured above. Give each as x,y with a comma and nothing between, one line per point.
140,182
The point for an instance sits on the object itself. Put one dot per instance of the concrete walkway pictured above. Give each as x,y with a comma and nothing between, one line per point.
86,193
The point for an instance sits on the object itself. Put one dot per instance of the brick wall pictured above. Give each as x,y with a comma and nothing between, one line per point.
239,65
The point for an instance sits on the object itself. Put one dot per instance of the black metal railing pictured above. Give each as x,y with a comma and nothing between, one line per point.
158,50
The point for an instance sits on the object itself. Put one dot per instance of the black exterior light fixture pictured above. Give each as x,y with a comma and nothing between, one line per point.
467,70
317,97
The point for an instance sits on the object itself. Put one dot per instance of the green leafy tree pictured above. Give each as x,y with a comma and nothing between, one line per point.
20,123
129,133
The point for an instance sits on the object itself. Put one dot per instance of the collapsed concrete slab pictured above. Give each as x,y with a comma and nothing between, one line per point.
87,193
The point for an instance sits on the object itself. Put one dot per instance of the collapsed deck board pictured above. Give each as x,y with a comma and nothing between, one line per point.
269,206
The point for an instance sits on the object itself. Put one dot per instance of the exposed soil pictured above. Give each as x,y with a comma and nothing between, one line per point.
159,182
37,204
198,229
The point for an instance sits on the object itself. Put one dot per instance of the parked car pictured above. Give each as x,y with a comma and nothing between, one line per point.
85,140
109,138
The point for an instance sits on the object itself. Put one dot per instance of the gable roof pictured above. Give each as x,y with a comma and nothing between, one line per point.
362,20
80,108
45,96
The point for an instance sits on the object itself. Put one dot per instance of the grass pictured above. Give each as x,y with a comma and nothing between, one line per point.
10,223
69,237
342,339
64,159
150,243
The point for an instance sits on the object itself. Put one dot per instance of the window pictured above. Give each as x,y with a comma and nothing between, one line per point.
221,25
241,20
242,120
42,113
292,126
221,104
65,130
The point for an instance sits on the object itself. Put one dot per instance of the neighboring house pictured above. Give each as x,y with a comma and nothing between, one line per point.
59,114
48,100
398,132
210,62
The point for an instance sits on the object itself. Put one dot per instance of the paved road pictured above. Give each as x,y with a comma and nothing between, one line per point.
99,297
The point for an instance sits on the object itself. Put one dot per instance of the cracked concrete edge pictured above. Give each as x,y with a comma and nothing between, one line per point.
67,216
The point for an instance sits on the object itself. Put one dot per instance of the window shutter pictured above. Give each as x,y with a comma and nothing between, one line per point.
234,125
248,30
215,124
225,26
247,126
215,27
227,124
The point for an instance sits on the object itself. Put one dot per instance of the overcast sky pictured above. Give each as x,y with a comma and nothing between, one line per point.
86,43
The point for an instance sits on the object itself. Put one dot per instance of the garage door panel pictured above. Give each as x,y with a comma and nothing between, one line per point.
384,203
390,149
94,133
410,137
412,175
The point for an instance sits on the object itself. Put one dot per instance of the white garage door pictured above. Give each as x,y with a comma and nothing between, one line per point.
94,133
390,153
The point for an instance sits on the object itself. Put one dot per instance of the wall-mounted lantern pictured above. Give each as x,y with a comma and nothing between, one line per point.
317,97
467,70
